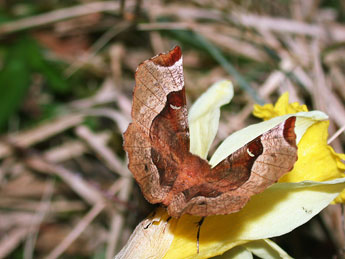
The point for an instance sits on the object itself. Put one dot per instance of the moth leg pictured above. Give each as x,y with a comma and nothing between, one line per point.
198,233
147,226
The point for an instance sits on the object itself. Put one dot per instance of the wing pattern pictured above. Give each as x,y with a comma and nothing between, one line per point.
157,143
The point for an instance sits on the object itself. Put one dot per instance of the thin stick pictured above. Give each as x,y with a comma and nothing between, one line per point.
76,183
118,220
39,217
104,152
97,46
75,233
343,225
32,136
58,15
335,135
11,240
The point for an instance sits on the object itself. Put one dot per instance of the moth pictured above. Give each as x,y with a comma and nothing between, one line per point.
157,144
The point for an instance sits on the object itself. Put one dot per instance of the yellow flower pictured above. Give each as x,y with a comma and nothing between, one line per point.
282,107
276,211
317,161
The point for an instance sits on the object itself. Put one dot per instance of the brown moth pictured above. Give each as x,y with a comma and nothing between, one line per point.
157,144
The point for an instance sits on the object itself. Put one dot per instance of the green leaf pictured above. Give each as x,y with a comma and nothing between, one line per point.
14,82
51,72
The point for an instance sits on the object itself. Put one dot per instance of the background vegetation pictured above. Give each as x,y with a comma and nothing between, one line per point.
66,78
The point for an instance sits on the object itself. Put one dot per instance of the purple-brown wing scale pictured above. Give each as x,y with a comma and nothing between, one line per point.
157,143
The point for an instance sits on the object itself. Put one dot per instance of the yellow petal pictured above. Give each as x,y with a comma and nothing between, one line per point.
266,249
238,252
282,107
276,211
340,198
317,161
339,158
203,117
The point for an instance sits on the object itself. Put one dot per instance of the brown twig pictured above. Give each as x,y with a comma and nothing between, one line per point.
59,15
78,229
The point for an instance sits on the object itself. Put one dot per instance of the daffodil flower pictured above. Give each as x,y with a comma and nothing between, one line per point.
317,161
274,212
